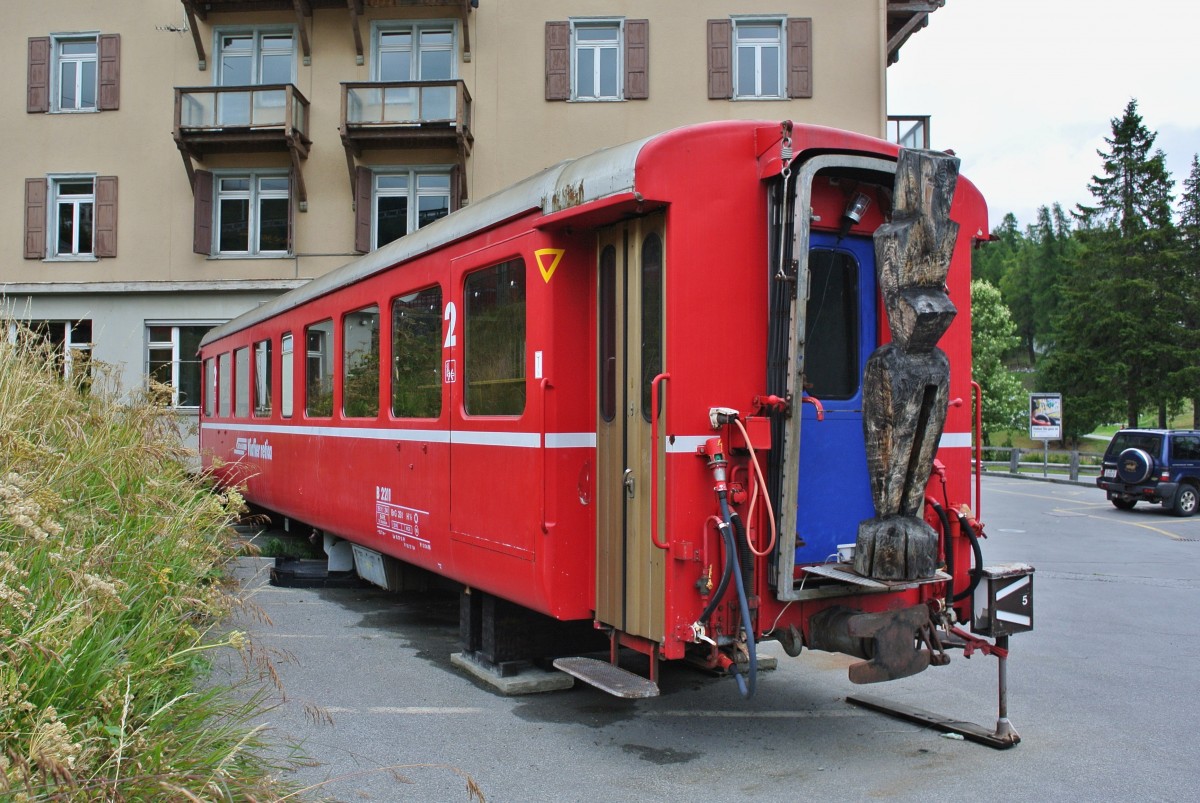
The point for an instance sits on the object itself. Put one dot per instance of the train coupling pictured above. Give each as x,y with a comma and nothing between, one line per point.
888,640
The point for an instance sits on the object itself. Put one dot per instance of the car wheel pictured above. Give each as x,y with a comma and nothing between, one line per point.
1186,500
1134,465
1123,503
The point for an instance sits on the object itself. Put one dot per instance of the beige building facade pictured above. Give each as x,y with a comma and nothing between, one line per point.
173,163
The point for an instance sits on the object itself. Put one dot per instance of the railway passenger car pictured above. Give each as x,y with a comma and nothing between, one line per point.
627,392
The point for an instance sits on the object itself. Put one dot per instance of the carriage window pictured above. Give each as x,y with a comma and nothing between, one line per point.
494,364
241,384
285,380
608,333
652,316
318,369
224,385
360,363
210,386
417,354
831,369
262,379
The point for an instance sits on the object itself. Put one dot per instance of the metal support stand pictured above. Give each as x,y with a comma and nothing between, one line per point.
1004,728
1005,735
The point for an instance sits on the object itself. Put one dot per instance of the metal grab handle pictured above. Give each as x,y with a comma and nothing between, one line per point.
654,461
545,387
977,392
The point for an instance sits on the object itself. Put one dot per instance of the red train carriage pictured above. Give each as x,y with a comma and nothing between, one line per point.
636,391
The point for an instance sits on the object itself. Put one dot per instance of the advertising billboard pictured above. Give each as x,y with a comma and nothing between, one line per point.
1045,416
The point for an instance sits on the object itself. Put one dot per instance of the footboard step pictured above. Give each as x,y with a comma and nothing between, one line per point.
606,677
968,730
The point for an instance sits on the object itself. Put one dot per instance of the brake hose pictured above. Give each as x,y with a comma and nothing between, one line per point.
947,545
977,571
746,687
726,571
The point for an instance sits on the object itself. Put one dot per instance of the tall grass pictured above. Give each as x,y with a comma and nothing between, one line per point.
112,598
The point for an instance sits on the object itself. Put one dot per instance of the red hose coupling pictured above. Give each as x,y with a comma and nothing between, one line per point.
714,450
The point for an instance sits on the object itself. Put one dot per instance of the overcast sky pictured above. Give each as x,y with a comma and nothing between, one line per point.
1024,90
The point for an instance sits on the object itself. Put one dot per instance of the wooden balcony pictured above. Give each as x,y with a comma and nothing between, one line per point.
405,114
242,119
302,11
904,18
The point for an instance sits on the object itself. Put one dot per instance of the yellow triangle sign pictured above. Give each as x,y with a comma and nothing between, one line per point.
548,255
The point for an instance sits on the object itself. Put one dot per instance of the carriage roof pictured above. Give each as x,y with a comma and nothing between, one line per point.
569,183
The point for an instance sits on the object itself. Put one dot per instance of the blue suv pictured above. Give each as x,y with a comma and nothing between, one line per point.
1153,465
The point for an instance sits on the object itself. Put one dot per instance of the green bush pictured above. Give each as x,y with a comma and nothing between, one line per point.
112,599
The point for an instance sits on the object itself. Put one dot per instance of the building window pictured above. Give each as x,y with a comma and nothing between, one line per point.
595,60
76,63
70,343
254,58
591,59
393,202
494,329
71,217
73,201
760,58
408,201
75,72
251,215
418,52
171,359
248,58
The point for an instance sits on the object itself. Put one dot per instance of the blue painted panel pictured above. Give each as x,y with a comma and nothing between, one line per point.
834,489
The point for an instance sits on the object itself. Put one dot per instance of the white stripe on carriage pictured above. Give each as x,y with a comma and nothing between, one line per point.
518,440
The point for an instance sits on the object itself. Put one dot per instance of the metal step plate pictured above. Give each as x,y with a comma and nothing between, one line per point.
844,573
606,677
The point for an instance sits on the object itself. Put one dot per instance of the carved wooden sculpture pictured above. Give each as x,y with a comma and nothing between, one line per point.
906,382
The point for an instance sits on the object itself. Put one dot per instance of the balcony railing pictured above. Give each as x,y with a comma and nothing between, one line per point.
388,114
909,131
242,119
269,109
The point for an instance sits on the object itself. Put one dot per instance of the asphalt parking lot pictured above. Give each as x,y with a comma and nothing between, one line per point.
1102,692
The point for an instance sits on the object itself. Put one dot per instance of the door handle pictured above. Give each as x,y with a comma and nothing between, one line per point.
628,481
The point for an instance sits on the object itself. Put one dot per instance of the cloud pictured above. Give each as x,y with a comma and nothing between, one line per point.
1024,92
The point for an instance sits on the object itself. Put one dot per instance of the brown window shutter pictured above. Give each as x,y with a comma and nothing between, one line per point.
799,63
637,59
202,221
106,217
109,96
293,183
558,61
457,188
35,218
38,98
363,209
720,65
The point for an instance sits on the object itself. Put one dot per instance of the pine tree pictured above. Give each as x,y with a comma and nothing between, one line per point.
1189,264
1120,317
